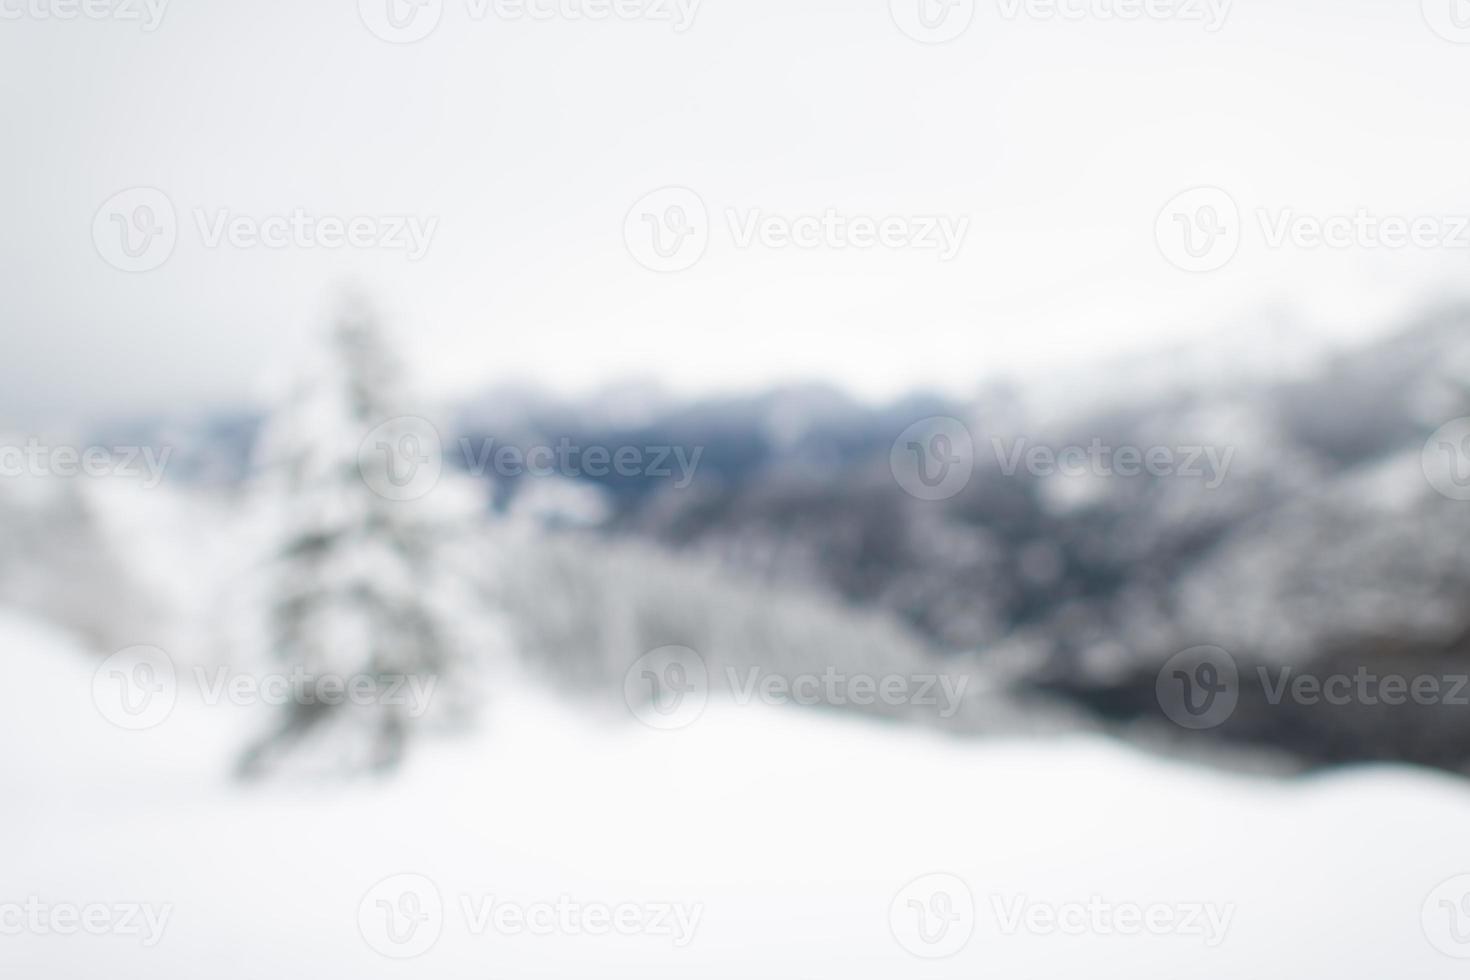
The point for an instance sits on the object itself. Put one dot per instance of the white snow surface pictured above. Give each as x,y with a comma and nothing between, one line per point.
792,830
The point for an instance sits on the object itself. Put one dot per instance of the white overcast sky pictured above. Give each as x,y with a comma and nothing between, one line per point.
529,141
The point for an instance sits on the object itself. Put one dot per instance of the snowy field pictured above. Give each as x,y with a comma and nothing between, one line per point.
757,841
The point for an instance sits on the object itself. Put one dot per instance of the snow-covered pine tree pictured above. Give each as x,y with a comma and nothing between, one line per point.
358,595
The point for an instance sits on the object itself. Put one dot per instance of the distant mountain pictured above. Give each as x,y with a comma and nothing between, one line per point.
1320,544
1302,532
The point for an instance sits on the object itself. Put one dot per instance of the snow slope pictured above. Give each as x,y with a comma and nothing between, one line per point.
792,831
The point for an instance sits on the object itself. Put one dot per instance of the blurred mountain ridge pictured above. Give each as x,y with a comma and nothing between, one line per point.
1323,546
